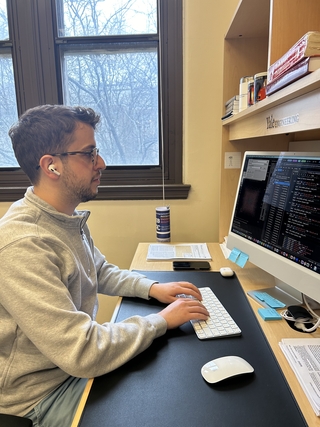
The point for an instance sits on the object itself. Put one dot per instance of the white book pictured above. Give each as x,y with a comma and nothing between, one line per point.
243,92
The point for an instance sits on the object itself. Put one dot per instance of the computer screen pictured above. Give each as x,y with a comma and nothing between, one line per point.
276,218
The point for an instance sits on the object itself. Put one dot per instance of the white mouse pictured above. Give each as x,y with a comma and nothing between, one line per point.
225,367
226,272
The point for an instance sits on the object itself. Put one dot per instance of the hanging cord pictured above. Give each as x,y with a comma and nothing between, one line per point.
161,100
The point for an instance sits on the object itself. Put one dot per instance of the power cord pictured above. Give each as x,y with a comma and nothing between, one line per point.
311,305
302,326
301,316
286,314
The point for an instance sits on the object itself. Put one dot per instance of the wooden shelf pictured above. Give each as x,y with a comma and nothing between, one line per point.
259,34
292,109
242,25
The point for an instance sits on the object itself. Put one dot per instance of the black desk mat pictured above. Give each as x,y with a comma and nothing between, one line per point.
163,386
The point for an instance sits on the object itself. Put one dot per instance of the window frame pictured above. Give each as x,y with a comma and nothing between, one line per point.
35,50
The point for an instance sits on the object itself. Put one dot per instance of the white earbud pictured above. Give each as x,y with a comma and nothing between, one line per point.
53,170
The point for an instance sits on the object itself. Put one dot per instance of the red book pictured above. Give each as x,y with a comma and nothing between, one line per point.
304,67
308,45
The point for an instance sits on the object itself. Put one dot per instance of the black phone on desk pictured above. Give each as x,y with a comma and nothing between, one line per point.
191,265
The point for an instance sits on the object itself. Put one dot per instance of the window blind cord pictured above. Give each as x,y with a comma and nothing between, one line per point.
161,102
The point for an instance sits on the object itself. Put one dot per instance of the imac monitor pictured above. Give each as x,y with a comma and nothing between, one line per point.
276,220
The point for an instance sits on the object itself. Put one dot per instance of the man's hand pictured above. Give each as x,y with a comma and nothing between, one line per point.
183,310
166,292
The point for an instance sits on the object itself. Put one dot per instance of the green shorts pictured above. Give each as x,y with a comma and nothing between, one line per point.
59,407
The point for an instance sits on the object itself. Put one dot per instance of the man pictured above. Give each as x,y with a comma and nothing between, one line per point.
51,273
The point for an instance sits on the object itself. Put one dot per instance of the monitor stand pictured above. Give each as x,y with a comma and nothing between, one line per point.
282,292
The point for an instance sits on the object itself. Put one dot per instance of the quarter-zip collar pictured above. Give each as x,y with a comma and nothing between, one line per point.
77,220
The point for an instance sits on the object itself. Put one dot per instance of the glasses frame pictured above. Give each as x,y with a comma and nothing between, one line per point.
93,153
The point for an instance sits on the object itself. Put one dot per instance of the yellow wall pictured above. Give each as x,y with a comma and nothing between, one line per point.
118,226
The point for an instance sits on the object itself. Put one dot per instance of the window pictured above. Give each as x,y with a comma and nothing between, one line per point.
8,106
121,57
116,76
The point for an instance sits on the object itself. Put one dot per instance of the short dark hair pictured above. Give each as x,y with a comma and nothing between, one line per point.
46,129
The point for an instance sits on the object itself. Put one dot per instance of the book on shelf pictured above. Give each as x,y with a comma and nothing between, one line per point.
229,114
231,107
243,92
230,101
232,111
304,67
307,45
234,106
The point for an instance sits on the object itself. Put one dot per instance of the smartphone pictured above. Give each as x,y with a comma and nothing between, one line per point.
191,265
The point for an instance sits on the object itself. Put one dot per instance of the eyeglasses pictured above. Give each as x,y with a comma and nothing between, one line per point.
92,153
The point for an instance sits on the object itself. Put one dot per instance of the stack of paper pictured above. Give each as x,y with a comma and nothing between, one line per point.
181,252
303,354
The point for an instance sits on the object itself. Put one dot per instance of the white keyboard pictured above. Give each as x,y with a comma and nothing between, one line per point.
220,323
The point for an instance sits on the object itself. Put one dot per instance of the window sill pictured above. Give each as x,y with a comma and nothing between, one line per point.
116,192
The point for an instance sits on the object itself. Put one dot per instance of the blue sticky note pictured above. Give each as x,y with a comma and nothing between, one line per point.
234,255
242,259
269,314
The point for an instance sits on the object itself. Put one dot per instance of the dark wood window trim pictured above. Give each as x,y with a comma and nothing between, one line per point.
36,65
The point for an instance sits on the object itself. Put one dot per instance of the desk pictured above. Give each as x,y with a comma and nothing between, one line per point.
251,278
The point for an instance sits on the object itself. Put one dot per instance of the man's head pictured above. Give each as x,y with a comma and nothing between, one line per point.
46,129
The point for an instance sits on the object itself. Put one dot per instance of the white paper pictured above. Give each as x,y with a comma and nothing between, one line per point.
232,160
303,355
183,251
226,251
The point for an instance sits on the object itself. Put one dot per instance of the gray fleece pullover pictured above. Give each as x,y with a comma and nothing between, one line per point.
49,278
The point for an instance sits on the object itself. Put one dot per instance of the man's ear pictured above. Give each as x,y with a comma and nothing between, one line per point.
48,167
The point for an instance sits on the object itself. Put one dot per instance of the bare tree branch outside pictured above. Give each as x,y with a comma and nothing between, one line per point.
120,80
117,77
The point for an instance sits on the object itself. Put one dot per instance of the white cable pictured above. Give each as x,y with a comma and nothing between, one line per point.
299,323
305,300
301,326
287,316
